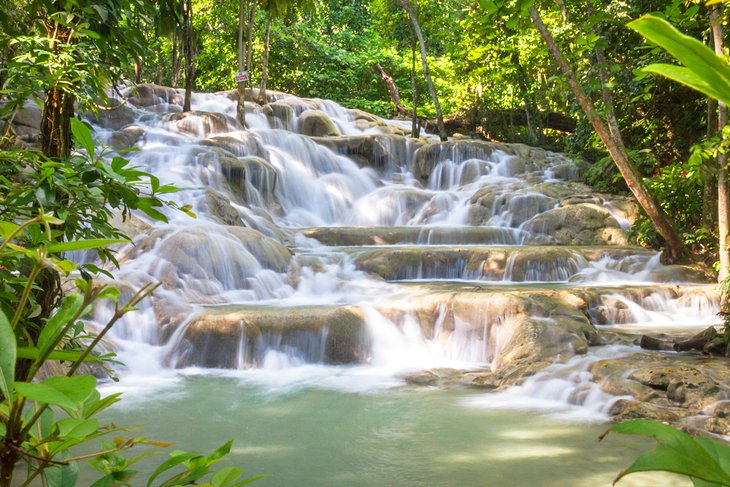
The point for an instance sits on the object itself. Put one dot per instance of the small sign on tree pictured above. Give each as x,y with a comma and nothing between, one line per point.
241,76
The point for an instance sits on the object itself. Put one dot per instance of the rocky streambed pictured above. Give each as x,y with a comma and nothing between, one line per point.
328,236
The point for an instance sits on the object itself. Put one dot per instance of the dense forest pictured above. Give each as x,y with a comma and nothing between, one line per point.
492,74
575,77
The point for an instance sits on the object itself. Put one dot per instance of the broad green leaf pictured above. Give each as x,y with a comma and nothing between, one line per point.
8,355
93,243
77,428
3,430
54,326
82,134
7,229
32,353
105,481
699,458
147,205
62,476
97,404
109,292
686,77
67,392
713,70
176,459
226,476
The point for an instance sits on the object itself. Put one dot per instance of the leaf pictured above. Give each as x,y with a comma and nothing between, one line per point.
176,459
147,204
50,332
67,392
699,458
62,476
712,70
7,229
77,428
92,243
32,353
82,134
8,355
226,476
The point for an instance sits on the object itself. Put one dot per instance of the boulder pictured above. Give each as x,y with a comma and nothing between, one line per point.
146,95
203,124
113,118
231,337
689,391
376,151
316,123
220,209
240,144
578,224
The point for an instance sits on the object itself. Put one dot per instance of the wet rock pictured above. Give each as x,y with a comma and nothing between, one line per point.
113,118
376,151
232,337
579,224
680,389
240,144
146,95
316,123
203,124
221,209
206,260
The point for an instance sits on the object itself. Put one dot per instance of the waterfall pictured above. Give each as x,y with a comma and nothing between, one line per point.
371,253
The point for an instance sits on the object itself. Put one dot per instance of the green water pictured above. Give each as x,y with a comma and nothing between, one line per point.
404,436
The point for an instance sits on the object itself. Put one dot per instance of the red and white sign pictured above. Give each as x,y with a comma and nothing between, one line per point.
241,76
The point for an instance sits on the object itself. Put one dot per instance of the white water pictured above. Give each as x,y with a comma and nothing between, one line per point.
295,182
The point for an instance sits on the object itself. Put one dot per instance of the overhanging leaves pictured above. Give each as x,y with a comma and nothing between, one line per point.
701,459
7,355
702,69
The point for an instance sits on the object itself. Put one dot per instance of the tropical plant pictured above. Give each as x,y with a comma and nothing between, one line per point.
49,209
706,462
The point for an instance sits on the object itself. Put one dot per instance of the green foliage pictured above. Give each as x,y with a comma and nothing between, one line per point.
704,461
678,188
49,208
80,47
702,69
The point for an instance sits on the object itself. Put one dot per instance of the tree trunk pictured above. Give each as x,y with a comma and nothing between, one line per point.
399,109
415,129
606,95
675,251
426,72
176,65
189,52
241,85
723,215
58,109
265,62
531,111
708,172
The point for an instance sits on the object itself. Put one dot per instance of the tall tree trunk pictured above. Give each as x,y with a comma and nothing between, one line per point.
405,4
58,109
189,52
531,112
176,64
708,172
604,78
675,250
241,105
58,106
265,62
399,109
723,214
415,130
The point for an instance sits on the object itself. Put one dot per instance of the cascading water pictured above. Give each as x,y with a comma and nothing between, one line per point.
345,262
